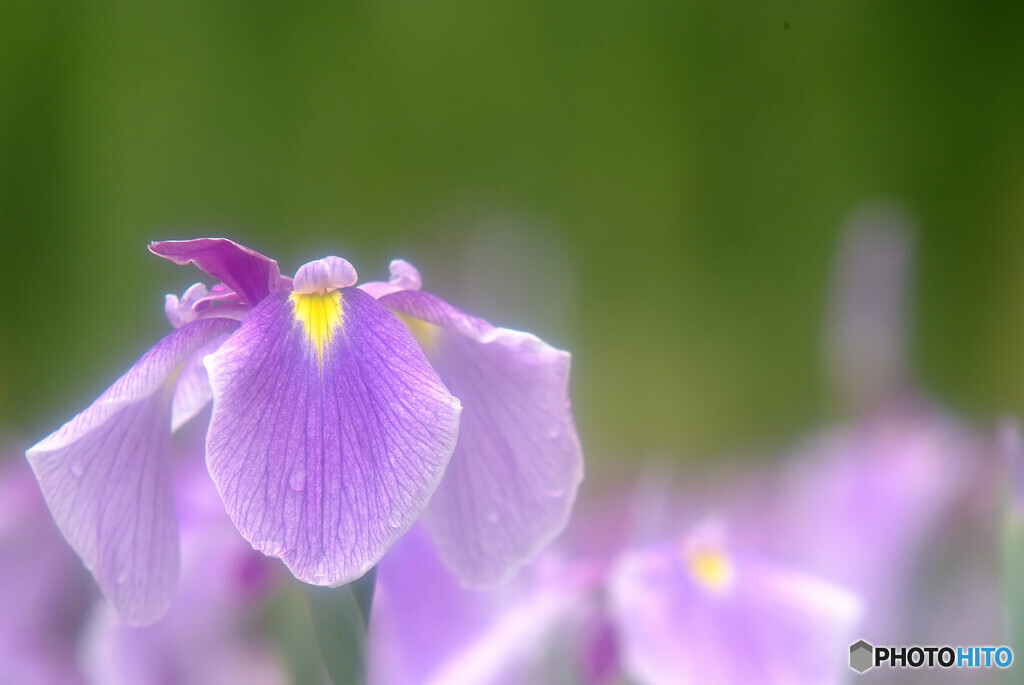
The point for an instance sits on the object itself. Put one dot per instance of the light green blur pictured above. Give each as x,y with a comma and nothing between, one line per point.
667,177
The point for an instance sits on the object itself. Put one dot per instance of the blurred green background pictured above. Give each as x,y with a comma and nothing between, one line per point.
657,186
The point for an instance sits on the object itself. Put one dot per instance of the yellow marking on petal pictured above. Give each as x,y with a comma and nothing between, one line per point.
425,332
172,382
319,314
710,567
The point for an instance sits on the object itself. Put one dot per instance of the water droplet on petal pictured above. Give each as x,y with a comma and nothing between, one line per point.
297,480
394,523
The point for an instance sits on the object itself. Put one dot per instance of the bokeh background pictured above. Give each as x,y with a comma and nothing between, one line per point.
658,186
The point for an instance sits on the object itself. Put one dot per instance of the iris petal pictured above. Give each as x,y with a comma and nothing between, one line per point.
426,628
513,479
192,391
105,477
325,456
247,272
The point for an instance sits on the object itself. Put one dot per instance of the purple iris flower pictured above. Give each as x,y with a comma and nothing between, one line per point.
904,494
890,500
699,610
330,430
600,607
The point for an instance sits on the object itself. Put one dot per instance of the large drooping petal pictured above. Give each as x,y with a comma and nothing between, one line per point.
330,431
247,272
513,478
209,635
105,477
697,612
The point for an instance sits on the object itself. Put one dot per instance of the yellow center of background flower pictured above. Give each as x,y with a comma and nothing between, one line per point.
712,568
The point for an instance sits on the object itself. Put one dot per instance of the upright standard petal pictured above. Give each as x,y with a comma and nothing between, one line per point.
513,478
322,275
105,476
180,311
404,276
330,431
247,272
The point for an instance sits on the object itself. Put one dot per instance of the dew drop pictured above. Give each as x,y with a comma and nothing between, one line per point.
395,523
297,480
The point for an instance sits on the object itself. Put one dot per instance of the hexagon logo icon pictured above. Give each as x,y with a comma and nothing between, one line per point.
861,656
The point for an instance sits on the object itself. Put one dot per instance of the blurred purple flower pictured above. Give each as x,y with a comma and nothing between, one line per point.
330,430
211,633
1011,443
879,505
695,609
44,593
898,504
427,629
866,324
